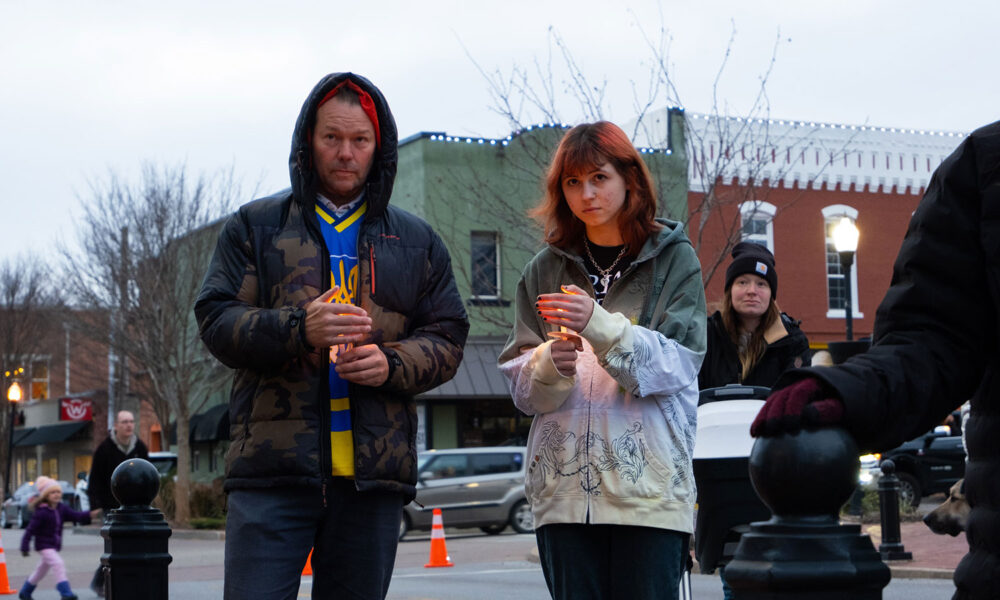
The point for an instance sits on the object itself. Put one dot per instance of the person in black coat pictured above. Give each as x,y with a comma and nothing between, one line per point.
750,341
936,344
118,447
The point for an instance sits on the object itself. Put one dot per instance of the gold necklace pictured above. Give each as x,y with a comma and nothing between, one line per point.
605,273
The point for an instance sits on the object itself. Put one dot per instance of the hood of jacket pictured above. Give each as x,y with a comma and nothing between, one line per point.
378,187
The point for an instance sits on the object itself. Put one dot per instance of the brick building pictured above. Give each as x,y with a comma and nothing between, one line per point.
785,184
63,414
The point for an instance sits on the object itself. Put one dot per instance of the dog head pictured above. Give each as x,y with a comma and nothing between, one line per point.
951,516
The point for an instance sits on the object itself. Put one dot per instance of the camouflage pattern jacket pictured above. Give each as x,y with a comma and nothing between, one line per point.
270,262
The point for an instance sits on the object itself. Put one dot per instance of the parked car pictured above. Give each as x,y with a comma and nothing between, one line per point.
163,461
473,487
927,464
15,510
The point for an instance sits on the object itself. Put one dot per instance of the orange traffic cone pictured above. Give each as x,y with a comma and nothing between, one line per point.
439,553
4,582
308,570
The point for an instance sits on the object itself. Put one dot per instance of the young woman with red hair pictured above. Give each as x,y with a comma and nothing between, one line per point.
605,352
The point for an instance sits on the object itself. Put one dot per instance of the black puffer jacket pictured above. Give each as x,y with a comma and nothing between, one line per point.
789,349
270,262
936,341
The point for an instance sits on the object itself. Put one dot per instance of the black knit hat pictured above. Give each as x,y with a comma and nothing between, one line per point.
756,259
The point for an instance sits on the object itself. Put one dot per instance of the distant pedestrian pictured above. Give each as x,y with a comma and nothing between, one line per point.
81,491
46,527
120,446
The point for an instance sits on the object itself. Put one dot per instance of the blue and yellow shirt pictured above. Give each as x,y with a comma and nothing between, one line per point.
341,235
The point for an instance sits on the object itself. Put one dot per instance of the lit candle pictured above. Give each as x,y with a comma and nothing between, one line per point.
564,333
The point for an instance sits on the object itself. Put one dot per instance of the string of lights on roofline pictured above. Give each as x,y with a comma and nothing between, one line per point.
482,141
814,124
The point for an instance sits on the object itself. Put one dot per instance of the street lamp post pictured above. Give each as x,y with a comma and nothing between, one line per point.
13,397
845,240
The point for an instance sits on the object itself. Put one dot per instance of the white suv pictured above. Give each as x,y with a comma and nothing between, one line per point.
473,487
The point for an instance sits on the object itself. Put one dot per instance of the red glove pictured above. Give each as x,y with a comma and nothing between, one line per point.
799,405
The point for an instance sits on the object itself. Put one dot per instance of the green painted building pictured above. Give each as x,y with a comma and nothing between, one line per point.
476,193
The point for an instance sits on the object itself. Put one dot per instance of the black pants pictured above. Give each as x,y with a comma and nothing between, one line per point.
603,562
269,533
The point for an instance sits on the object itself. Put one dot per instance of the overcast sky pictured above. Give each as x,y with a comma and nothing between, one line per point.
90,86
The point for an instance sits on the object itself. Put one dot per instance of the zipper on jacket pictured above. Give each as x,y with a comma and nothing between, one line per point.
325,452
371,258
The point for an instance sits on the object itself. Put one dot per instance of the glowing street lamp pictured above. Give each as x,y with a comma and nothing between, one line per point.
13,397
845,240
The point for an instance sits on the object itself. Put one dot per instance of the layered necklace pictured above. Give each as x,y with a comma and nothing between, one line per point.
605,273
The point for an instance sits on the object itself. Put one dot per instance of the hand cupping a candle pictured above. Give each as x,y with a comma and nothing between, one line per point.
570,311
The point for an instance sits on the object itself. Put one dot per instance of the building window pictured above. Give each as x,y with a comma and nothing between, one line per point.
757,223
836,287
485,264
40,379
50,467
30,469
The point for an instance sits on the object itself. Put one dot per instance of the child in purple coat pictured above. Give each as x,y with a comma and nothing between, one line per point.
46,527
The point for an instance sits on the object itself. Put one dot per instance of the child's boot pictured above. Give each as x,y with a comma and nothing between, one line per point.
26,589
65,592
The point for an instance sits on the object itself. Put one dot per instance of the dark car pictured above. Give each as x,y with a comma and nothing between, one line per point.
928,464
15,510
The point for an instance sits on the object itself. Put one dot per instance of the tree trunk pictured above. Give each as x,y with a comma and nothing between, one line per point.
182,486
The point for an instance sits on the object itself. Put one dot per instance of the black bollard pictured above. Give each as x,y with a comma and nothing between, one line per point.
891,547
803,551
135,536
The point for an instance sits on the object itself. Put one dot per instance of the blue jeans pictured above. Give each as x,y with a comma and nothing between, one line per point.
604,562
727,592
270,531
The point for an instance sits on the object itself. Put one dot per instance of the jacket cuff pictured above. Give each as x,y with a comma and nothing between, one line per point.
545,370
549,387
605,329
296,320
395,363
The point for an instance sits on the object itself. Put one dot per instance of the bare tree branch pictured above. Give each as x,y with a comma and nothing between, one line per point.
144,245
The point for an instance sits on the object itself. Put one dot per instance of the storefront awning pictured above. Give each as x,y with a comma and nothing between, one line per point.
20,434
477,376
211,425
52,434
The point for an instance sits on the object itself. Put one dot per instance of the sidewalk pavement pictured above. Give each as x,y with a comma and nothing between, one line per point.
934,556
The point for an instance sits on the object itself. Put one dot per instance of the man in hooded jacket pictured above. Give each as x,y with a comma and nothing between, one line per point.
936,343
335,309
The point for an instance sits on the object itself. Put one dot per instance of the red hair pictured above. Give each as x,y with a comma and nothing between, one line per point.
586,147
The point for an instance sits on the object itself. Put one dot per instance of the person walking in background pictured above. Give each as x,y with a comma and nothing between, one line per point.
81,491
936,343
335,309
46,528
750,342
610,480
121,445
